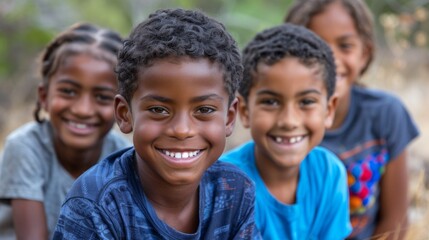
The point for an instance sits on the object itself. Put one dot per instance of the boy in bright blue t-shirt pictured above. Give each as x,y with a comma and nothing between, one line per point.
286,99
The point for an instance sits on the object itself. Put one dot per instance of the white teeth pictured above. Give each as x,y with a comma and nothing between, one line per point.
79,125
291,140
295,139
180,155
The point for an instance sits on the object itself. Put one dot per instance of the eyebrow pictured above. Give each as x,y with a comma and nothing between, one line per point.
169,100
97,88
303,93
348,36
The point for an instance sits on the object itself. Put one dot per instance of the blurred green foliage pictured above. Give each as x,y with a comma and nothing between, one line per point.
27,26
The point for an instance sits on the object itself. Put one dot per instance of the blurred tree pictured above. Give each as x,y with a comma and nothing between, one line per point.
26,26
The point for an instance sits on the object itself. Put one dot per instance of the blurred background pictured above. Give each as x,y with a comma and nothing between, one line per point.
401,65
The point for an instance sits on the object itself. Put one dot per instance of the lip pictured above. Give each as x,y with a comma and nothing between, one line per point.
181,158
80,128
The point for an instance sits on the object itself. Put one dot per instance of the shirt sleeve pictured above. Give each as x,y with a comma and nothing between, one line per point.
337,224
397,126
81,219
22,171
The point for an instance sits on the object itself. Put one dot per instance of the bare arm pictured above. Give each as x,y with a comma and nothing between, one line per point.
394,200
29,219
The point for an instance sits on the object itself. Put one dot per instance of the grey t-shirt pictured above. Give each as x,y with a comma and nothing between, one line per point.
29,169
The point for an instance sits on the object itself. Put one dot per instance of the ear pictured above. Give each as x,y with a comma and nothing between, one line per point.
42,91
330,113
244,111
231,116
123,114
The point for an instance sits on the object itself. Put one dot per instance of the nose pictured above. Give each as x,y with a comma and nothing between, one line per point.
83,106
181,126
288,118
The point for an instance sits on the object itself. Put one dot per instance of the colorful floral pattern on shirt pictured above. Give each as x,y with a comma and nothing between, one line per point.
363,177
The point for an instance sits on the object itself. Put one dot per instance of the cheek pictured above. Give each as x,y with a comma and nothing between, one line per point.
108,113
55,105
316,122
260,120
214,131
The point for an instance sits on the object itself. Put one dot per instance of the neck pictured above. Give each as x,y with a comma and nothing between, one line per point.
281,182
176,205
341,112
77,161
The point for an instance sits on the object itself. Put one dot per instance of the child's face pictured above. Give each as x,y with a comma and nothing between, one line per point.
337,28
180,117
287,112
79,101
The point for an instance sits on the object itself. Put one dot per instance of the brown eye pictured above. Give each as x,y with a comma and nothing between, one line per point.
206,110
67,92
158,110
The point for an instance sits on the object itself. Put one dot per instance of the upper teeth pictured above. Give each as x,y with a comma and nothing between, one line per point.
78,125
182,154
291,140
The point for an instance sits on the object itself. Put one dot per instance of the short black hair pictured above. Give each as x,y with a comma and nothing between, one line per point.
178,33
287,40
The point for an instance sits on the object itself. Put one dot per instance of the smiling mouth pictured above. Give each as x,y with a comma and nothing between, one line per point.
81,128
340,77
288,140
80,125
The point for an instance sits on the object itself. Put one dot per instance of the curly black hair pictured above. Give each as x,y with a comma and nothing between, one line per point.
287,40
178,33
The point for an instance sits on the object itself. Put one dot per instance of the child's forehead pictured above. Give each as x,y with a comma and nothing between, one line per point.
283,67
177,72
182,65
263,65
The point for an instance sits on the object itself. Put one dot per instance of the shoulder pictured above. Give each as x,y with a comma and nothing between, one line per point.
375,98
221,172
31,143
29,133
240,155
325,162
109,174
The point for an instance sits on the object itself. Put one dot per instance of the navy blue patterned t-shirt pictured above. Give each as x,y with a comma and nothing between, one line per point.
108,202
376,130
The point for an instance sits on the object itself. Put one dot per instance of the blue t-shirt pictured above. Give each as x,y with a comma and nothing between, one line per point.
108,202
321,210
376,130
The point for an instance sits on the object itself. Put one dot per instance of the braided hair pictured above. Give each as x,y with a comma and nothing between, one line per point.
81,37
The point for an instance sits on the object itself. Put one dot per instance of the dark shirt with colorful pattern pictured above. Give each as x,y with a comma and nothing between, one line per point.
108,202
376,130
